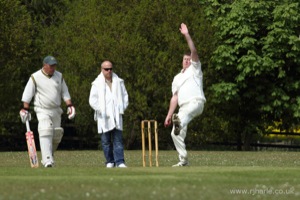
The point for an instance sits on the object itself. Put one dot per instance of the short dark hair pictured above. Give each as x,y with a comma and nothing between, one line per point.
187,53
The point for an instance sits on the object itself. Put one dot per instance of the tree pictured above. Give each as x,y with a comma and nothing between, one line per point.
257,60
142,40
15,52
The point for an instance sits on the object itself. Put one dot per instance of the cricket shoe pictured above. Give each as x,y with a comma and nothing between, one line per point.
181,164
47,165
122,165
176,122
110,165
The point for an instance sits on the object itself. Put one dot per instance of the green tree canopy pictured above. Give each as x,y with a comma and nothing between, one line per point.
257,60
143,41
15,52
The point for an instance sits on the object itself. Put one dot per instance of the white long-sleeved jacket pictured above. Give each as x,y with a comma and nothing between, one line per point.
112,117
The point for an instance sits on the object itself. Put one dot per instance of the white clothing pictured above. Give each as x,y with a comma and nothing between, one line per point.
189,87
47,92
189,84
49,120
109,105
186,113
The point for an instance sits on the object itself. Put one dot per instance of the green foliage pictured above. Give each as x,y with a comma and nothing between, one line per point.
227,91
258,53
47,12
143,41
15,52
250,80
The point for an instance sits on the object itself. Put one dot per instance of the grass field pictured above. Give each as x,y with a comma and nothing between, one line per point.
211,175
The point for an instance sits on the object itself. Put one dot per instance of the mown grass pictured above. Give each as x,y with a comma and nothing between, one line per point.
211,175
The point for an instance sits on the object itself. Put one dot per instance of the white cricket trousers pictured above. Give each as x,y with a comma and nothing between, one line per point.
48,119
186,113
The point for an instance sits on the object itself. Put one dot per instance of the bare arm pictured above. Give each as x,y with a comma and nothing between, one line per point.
26,105
68,102
184,31
172,107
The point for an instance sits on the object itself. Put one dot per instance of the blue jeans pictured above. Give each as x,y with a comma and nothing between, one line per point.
112,144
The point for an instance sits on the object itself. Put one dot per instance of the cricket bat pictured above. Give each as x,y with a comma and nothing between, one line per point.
31,147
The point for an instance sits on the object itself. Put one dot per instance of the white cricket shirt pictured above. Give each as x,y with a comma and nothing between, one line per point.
47,92
189,84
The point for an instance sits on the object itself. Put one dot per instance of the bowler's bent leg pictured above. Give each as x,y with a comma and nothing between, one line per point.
186,113
189,111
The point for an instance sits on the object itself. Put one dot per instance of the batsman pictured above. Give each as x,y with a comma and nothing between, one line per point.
48,87
187,90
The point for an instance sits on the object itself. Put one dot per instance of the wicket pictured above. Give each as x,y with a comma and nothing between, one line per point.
154,123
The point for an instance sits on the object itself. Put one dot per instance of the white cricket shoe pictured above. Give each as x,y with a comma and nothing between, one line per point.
110,165
181,164
122,165
49,164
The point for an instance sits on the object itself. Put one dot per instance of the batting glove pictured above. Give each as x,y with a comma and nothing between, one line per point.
25,115
71,112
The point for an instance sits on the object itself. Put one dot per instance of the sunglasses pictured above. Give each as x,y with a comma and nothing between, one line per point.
108,69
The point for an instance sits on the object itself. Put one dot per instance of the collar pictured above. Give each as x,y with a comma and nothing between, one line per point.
49,76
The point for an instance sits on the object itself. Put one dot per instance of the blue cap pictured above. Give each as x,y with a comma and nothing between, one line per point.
50,60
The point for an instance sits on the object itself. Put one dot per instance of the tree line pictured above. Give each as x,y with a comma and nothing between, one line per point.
249,50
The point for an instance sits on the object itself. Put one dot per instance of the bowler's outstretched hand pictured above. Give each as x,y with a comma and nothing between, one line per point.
183,29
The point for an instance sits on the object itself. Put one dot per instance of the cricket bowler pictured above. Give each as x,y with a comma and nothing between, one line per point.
187,90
